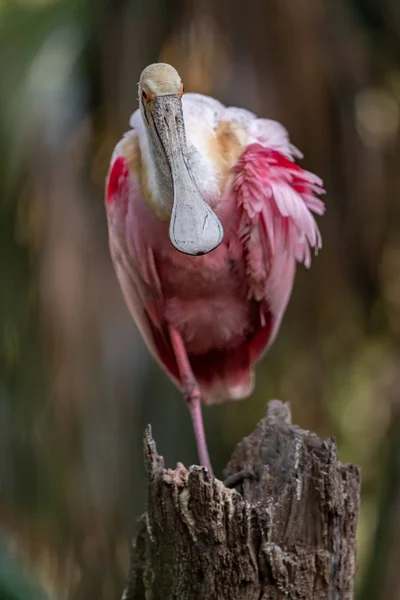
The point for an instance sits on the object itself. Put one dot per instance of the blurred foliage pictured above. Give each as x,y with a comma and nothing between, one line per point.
76,384
14,584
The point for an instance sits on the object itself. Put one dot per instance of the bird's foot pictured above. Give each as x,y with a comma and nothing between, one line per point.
233,480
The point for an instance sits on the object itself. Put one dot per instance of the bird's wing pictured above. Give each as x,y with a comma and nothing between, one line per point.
275,199
134,265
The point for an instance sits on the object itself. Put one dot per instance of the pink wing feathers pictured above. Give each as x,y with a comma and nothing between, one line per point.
135,267
275,198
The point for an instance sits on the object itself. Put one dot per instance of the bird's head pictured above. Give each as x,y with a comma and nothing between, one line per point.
194,227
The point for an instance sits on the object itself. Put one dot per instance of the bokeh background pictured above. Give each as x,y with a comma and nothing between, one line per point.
77,386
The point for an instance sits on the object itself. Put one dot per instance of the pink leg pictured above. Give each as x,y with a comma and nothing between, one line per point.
192,395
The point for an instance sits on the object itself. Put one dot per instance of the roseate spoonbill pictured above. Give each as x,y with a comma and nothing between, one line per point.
207,215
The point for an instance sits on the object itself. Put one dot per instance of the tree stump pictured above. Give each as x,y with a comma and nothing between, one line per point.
286,529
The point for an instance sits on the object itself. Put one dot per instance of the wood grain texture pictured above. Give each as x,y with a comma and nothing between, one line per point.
286,531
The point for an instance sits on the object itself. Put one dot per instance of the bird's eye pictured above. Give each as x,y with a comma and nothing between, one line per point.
144,95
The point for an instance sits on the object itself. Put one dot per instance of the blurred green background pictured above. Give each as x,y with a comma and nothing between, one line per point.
76,384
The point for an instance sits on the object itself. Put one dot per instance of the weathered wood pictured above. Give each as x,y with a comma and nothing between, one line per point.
287,532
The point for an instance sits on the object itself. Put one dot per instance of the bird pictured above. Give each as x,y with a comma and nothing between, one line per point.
208,215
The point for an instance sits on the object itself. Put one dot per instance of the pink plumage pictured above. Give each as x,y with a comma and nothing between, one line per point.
224,307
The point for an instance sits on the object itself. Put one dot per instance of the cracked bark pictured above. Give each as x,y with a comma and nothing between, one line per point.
287,532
